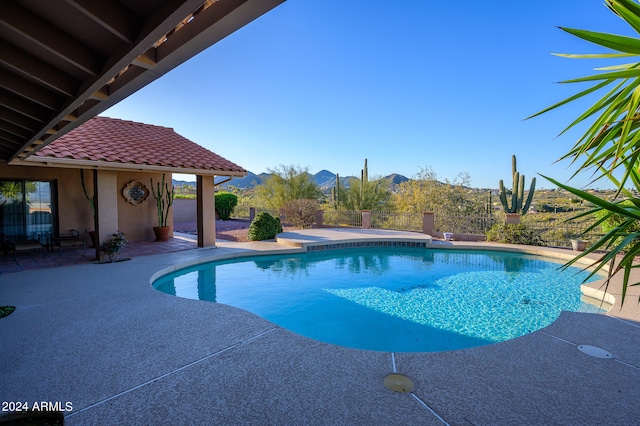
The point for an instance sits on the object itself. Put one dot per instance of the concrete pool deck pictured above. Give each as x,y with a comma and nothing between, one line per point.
101,338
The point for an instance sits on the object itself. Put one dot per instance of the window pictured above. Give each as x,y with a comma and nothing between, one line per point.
26,208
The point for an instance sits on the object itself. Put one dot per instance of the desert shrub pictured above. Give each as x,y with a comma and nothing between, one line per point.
264,227
225,202
615,220
184,196
514,234
6,310
300,213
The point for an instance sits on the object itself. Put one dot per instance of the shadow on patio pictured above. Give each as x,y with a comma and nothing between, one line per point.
74,256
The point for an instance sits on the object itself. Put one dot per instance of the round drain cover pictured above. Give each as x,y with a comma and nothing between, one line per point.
594,351
398,383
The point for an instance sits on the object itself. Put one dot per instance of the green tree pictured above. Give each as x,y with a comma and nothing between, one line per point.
426,192
365,194
246,200
287,183
610,147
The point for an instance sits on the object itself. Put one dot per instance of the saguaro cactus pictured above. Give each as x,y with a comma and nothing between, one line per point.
517,192
364,178
335,192
164,200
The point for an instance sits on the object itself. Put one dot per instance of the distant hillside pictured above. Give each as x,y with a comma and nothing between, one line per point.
324,179
249,181
396,179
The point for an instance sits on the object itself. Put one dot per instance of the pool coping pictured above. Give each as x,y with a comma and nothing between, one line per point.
312,240
146,357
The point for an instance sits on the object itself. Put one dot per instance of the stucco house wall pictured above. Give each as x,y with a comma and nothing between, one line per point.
185,210
73,209
137,221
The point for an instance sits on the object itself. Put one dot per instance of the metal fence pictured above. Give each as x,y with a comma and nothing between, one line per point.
342,218
554,233
559,233
401,221
463,223
241,212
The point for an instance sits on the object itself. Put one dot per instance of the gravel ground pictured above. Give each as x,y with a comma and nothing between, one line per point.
229,230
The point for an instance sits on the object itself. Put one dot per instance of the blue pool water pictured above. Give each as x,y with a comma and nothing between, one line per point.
392,299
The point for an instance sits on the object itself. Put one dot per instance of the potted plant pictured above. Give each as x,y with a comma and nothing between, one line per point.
164,200
113,247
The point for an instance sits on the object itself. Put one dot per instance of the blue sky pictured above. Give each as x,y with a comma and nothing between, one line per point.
406,84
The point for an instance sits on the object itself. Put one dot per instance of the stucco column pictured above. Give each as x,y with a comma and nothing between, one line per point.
427,223
366,219
319,217
206,211
512,218
106,194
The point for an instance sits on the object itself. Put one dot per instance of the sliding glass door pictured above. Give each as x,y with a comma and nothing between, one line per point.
26,209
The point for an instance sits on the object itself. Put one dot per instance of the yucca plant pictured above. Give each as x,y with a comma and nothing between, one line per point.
610,146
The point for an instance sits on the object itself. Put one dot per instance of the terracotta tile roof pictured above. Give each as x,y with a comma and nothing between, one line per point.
119,141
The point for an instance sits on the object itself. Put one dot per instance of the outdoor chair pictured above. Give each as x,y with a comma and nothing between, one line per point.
23,244
72,239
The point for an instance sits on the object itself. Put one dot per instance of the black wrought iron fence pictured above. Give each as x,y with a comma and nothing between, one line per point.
342,218
558,233
401,221
241,212
555,233
463,223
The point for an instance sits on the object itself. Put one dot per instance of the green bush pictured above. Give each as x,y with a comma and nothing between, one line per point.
225,202
6,310
617,220
264,227
514,234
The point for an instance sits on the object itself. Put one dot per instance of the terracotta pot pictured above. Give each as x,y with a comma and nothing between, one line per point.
162,232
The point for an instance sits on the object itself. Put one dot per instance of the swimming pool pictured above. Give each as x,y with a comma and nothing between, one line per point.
396,299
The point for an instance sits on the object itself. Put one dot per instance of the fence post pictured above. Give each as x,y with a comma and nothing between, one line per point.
366,219
427,223
252,213
319,218
512,219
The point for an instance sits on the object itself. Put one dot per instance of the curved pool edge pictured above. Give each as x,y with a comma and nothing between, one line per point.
305,240
222,254
281,246
300,241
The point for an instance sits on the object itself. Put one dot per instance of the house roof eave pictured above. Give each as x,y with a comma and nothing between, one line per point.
103,165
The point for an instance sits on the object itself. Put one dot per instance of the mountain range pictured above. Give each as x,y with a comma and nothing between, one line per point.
324,179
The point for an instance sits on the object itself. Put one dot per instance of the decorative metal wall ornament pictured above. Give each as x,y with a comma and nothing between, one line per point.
135,192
